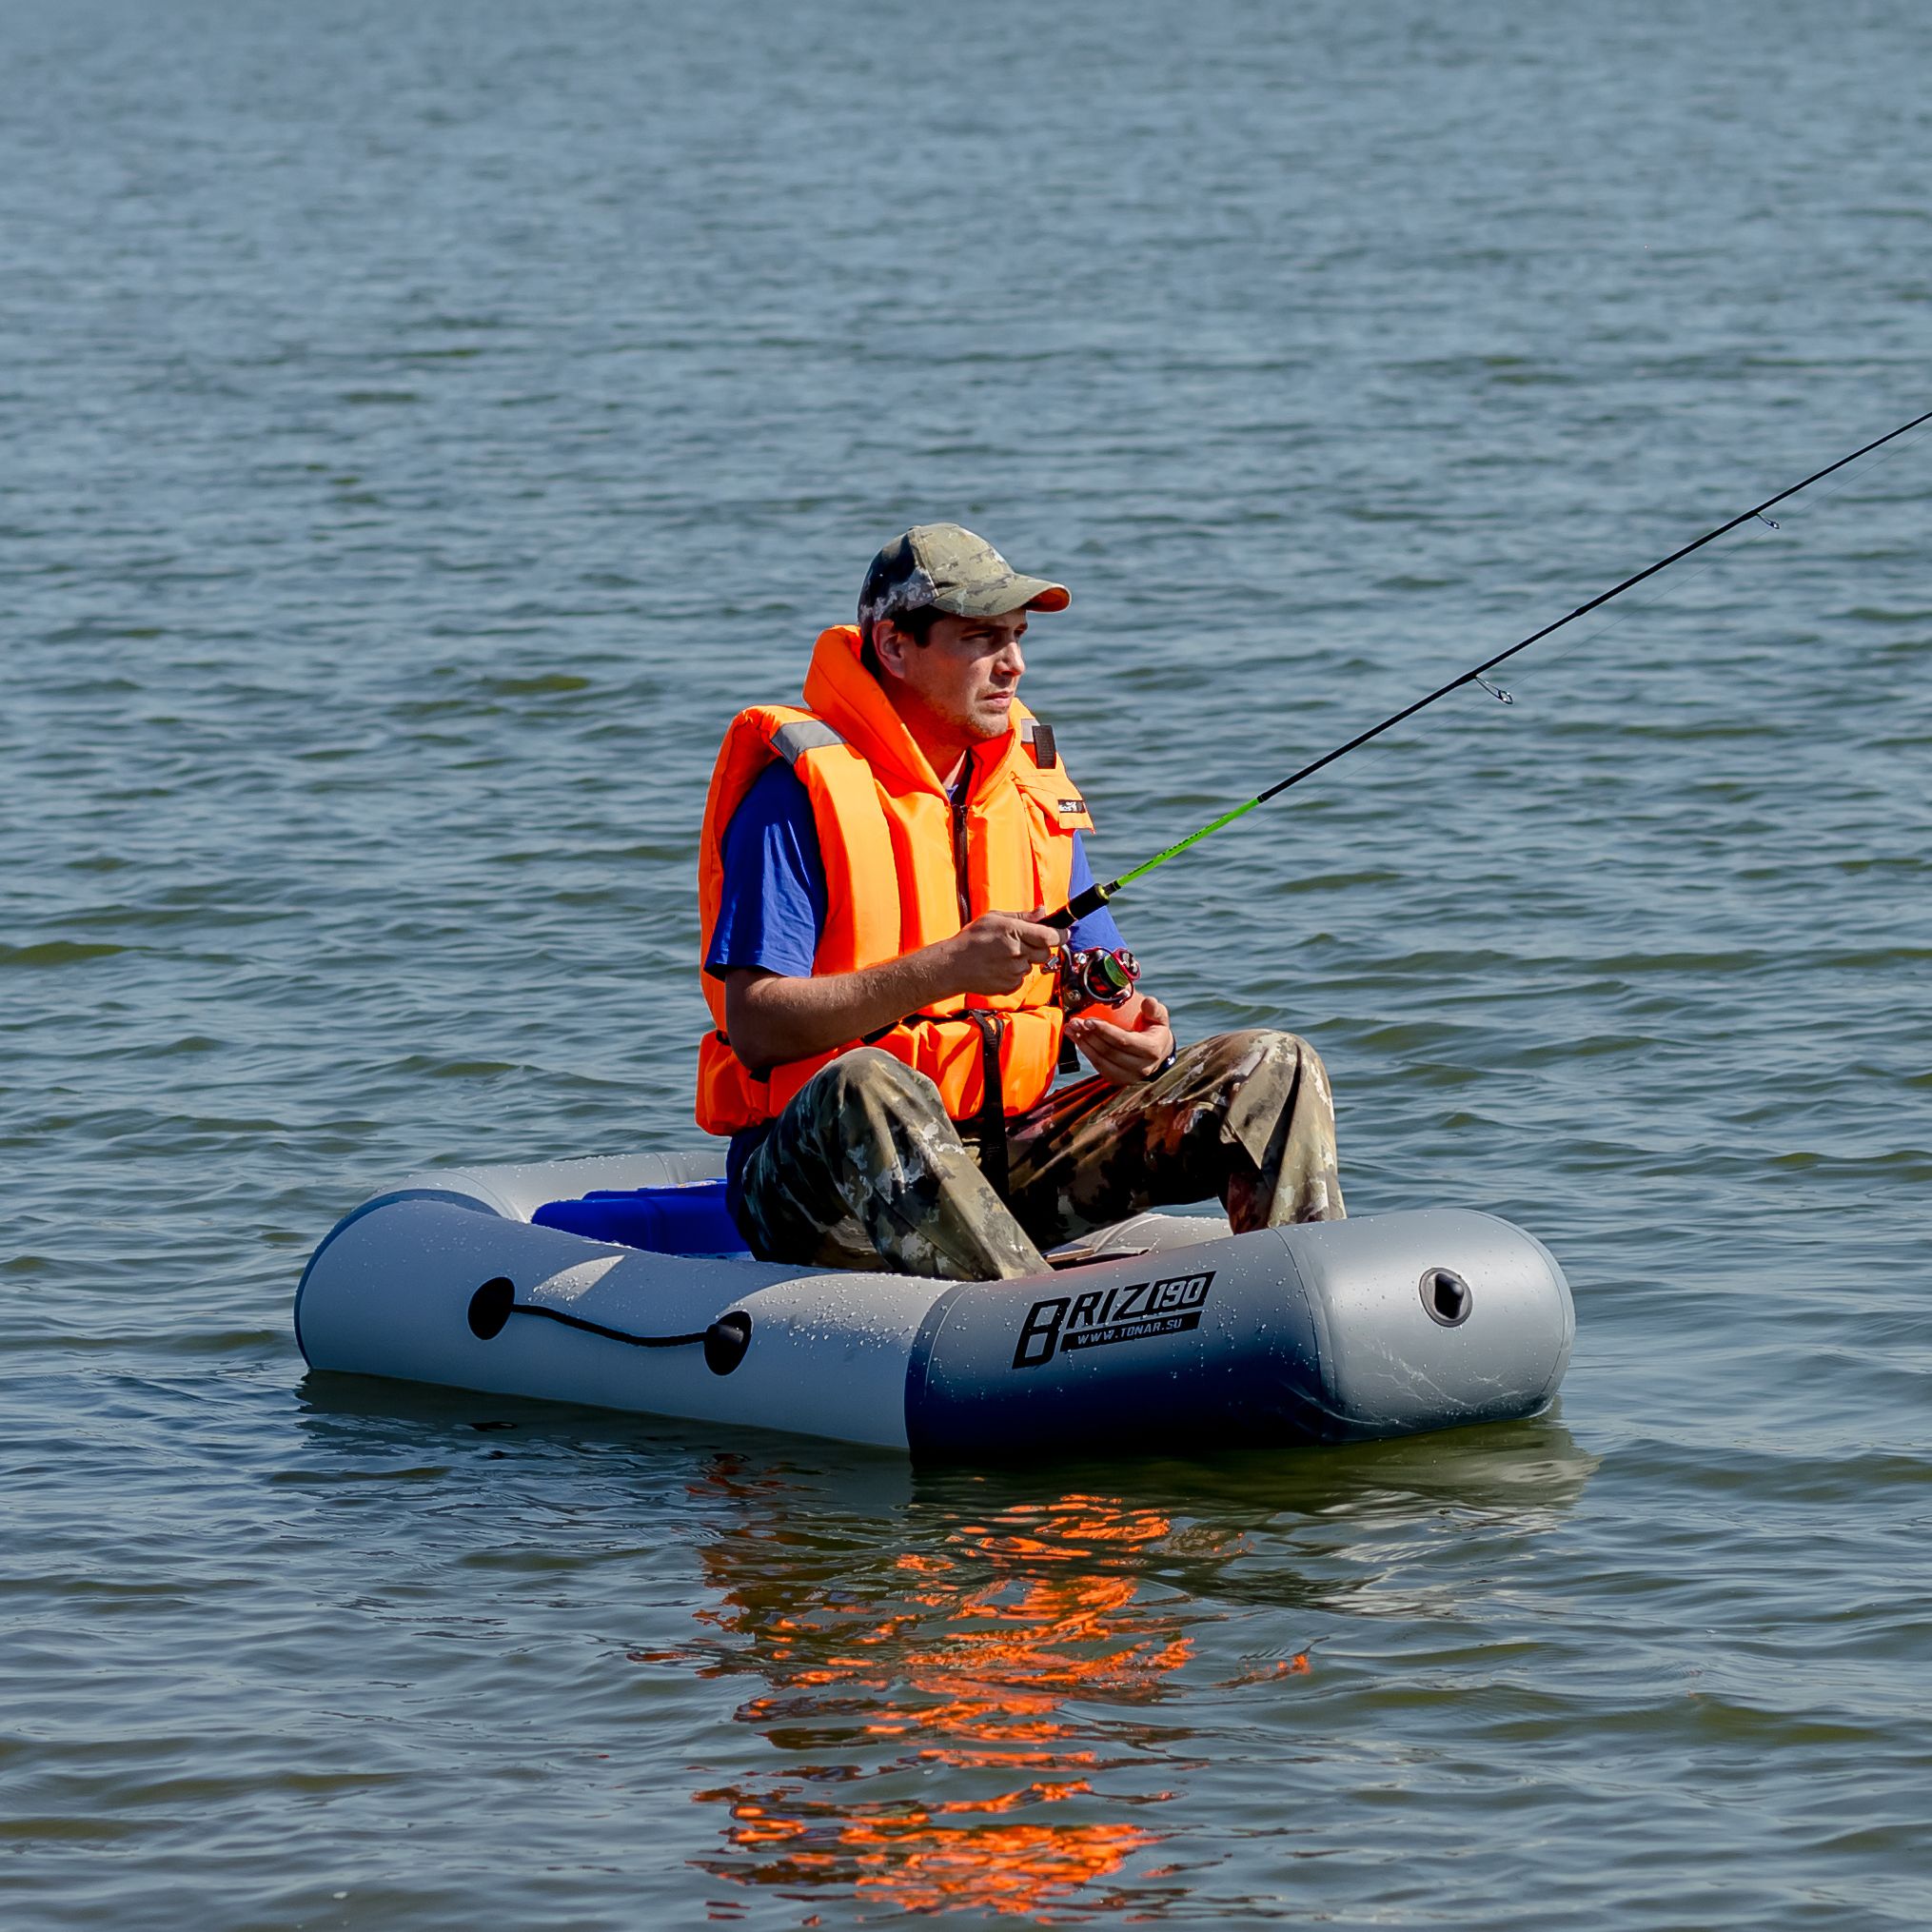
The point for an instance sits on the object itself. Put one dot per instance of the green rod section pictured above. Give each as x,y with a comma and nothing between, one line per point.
1173,851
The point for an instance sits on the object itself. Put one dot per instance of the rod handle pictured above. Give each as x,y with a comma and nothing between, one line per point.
1080,906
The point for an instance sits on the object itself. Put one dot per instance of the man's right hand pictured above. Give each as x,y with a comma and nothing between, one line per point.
996,952
771,1017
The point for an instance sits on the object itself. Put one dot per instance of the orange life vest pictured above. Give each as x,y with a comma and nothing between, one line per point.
898,857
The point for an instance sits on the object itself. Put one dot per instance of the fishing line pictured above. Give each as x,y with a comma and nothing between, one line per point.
1710,562
1755,535
1097,895
1563,652
1556,657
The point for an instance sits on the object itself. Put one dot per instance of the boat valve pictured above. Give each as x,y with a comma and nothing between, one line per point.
1446,1296
725,1342
490,1307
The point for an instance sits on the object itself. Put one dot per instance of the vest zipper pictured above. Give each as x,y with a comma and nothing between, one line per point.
989,1126
959,866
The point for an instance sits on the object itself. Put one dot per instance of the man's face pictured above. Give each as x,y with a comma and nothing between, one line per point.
961,680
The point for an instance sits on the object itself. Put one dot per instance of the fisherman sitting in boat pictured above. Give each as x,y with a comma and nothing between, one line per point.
888,1019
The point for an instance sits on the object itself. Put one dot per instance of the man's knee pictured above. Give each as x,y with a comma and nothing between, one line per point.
869,1076
1248,1053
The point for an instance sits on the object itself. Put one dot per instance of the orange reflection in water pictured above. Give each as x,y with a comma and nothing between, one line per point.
960,1721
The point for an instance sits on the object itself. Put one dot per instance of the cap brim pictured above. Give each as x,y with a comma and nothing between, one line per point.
997,599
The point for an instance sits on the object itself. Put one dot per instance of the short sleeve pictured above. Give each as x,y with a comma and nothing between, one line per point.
1096,929
773,907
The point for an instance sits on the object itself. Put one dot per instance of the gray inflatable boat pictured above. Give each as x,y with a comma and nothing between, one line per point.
620,1283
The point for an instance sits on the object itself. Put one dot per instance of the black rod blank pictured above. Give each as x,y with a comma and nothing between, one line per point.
1097,895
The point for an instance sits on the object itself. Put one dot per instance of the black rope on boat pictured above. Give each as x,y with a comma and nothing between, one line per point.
723,1342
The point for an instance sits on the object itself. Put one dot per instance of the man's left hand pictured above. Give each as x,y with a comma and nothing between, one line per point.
1124,1044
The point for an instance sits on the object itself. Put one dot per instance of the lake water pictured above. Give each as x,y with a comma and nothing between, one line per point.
424,426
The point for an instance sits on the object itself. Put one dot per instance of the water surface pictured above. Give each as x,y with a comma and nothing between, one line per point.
426,426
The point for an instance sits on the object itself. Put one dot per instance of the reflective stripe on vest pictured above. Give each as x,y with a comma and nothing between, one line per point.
791,742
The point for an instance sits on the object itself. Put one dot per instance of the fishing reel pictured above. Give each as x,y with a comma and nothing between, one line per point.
1098,975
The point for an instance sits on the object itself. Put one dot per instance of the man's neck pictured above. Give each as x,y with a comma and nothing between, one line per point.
947,756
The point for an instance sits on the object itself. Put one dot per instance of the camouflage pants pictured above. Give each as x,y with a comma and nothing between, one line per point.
864,1169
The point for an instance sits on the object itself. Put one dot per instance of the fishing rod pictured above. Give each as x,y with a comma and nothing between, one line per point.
1097,895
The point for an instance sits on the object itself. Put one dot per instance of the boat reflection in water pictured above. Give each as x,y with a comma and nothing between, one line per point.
973,1685
1039,1691
971,1724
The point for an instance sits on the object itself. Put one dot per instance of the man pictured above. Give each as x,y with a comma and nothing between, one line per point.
888,1021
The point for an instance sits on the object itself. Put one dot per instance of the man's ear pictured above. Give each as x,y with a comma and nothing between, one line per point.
889,645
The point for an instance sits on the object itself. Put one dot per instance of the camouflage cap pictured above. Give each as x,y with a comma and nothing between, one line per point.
943,567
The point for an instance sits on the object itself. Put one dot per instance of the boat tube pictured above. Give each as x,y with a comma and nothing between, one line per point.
620,1282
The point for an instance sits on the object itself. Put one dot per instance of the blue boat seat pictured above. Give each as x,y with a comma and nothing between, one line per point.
686,1220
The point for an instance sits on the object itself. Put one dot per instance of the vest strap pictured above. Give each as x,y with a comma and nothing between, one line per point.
1038,740
989,1124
